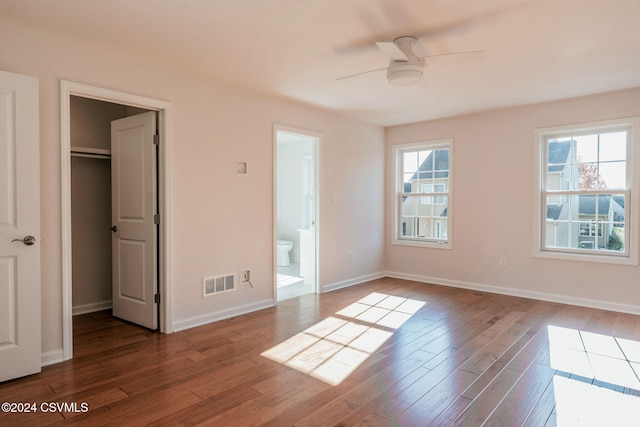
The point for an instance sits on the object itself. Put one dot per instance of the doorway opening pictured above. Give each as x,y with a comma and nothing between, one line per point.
87,114
91,196
296,217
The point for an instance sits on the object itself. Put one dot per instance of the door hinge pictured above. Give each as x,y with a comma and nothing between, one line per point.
156,139
156,219
156,298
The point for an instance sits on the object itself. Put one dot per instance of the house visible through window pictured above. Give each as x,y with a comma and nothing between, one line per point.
423,193
586,176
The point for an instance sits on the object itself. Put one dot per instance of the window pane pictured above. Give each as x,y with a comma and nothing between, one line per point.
613,146
558,181
562,221
560,165
407,184
409,206
615,238
441,161
613,175
558,152
587,148
425,158
410,162
589,177
440,206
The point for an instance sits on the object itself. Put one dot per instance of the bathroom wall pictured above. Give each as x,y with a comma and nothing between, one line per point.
290,191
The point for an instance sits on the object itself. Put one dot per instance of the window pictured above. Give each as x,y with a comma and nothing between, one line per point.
423,194
584,191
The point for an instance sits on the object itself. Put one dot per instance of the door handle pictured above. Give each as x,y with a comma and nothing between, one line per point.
114,229
28,240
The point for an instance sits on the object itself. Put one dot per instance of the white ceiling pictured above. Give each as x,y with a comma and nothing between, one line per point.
534,50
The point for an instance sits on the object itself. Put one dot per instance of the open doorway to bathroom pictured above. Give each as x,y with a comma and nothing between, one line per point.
296,228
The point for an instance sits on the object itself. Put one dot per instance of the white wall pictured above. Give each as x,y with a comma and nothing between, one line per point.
222,222
493,212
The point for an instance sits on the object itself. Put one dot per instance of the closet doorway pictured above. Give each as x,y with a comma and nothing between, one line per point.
101,129
114,238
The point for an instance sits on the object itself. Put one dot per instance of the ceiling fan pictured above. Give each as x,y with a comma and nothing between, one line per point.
405,66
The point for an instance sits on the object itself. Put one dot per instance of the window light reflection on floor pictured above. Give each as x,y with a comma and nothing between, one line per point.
597,379
333,348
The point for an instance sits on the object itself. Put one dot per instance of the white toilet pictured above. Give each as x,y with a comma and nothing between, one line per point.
282,252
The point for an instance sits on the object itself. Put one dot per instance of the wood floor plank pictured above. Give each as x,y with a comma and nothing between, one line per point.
518,403
483,405
390,379
436,400
465,357
542,409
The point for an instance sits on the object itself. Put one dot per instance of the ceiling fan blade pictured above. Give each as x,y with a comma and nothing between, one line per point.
392,51
454,57
419,33
359,74
442,29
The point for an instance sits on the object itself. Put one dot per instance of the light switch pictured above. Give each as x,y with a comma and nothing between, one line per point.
241,168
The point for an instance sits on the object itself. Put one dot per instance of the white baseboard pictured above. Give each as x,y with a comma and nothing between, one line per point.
91,308
543,296
51,357
204,319
351,282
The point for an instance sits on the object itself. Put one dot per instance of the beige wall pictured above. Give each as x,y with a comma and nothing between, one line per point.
213,127
493,212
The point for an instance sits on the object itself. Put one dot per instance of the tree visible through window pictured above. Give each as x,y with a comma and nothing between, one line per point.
423,192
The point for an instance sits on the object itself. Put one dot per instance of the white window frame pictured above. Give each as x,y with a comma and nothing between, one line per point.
632,206
447,230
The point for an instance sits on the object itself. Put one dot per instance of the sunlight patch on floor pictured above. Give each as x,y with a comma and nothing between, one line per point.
333,348
285,280
598,379
583,404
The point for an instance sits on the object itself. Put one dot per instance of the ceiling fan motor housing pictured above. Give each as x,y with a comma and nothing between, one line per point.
405,72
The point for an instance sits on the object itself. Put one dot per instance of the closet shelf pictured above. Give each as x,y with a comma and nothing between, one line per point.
96,153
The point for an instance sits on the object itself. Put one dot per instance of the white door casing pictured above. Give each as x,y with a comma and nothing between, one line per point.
165,265
20,309
134,190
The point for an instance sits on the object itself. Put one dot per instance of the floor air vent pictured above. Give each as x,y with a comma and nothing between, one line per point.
218,284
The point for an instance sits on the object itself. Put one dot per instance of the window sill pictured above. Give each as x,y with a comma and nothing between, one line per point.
570,256
422,244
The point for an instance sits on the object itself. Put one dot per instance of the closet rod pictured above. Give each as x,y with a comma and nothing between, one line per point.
95,153
91,156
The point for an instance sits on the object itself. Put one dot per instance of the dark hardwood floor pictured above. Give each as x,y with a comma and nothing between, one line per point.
387,352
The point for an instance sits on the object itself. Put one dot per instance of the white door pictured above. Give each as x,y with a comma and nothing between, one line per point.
20,345
134,189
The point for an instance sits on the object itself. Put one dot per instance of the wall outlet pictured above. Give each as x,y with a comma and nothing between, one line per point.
503,261
245,275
